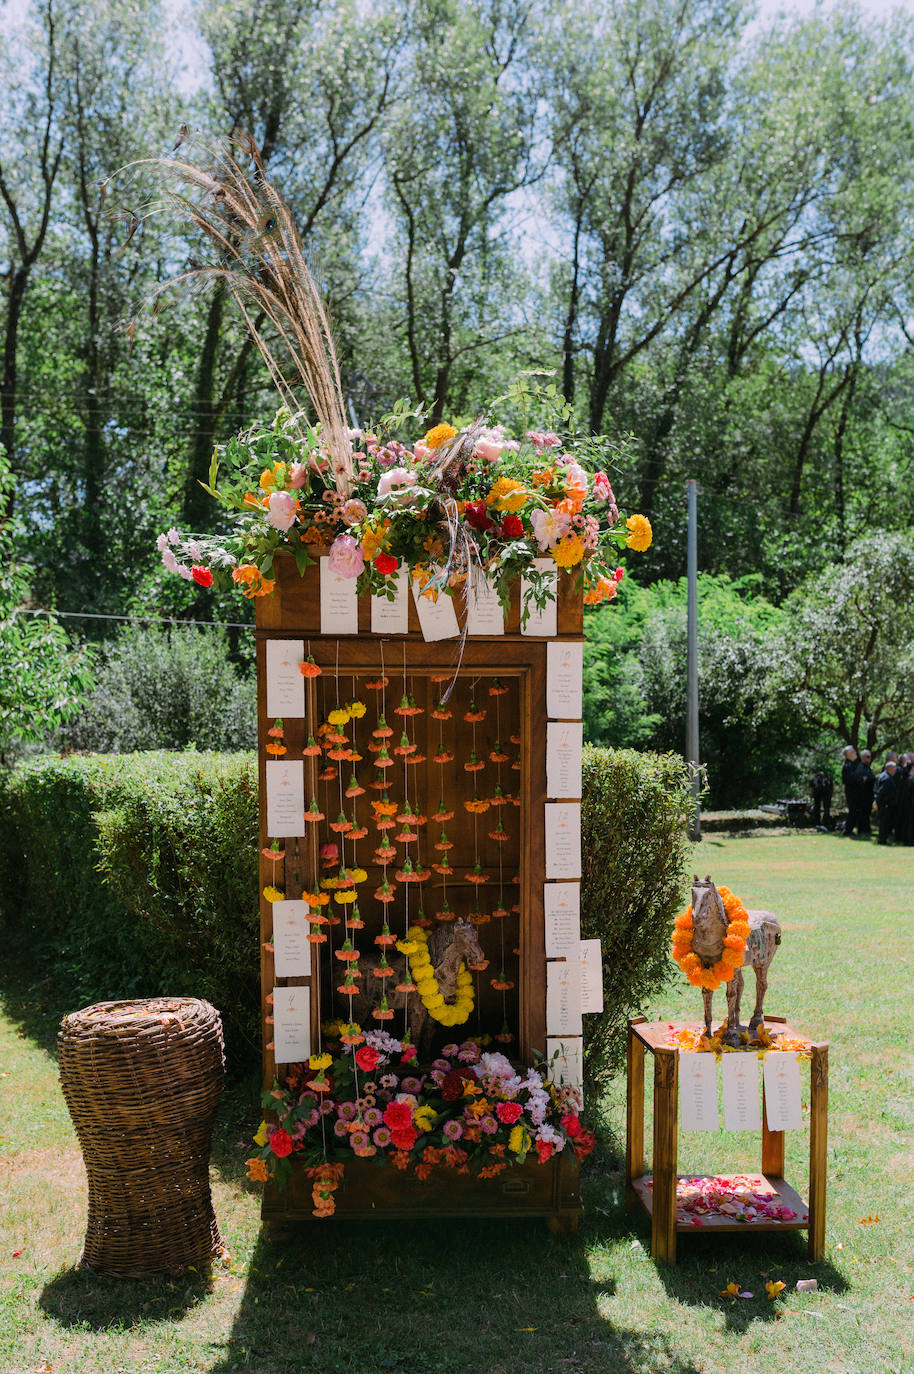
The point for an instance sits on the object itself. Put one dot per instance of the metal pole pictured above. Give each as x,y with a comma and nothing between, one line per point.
692,663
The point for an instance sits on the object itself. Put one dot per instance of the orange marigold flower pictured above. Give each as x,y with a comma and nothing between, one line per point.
507,495
439,434
569,551
641,533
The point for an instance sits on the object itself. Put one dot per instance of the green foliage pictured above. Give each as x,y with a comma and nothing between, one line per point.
136,875
159,688
636,852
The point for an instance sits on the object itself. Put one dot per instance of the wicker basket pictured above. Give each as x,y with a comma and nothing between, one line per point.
142,1082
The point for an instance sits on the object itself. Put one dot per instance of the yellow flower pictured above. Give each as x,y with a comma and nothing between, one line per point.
270,476
273,894
347,896
731,1291
507,495
373,539
261,1137
439,435
339,716
569,551
774,1286
357,709
423,1118
320,1061
519,1140
641,533
407,946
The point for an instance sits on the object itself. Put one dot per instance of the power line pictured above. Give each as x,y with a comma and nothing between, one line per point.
161,619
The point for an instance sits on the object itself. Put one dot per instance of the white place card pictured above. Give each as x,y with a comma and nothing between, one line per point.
544,622
564,744
285,684
563,839
568,1069
591,957
742,1098
437,619
783,1096
291,1025
291,950
484,611
698,1092
285,798
564,678
392,617
563,998
339,602
562,906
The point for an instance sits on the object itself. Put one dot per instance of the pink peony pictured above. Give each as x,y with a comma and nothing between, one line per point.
345,557
353,511
281,510
488,449
396,477
549,526
298,476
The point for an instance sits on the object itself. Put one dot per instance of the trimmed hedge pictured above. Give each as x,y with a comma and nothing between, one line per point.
132,875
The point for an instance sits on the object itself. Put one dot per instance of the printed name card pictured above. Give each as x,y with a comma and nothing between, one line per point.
285,684
564,678
437,619
783,1098
568,1069
392,617
544,622
291,1025
564,743
591,959
339,602
742,1099
285,797
563,839
484,613
698,1092
291,950
562,904
563,998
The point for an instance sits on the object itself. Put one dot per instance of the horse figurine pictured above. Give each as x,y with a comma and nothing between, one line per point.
448,947
709,926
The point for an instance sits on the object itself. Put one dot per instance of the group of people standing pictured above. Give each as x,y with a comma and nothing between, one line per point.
892,792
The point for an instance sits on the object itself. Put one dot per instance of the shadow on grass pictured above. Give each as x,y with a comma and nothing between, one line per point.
33,1003
80,1298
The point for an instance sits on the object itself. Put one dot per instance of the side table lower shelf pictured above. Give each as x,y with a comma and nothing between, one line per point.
657,1193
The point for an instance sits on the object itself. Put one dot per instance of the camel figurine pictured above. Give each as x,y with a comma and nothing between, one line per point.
709,926
448,946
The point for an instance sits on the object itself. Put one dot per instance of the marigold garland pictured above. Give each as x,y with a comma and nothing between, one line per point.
432,998
734,945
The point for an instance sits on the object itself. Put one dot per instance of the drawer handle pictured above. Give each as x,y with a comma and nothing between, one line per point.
517,1186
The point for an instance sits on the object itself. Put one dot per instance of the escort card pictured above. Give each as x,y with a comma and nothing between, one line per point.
392,617
783,1098
564,675
562,905
563,998
437,619
568,1069
591,958
291,1025
698,1092
339,602
484,613
563,839
285,684
291,950
742,1099
564,742
285,797
544,622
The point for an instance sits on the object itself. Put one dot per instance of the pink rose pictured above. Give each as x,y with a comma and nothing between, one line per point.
420,450
353,511
488,449
281,510
396,477
601,488
298,476
345,557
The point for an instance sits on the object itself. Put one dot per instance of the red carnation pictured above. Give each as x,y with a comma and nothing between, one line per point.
571,1125
544,1150
398,1116
203,576
584,1143
511,527
410,1053
385,563
366,1057
405,1139
477,516
281,1143
508,1112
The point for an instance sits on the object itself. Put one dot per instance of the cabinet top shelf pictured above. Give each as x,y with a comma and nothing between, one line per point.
656,1035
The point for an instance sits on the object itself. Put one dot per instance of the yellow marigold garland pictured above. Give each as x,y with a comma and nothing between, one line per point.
420,964
734,947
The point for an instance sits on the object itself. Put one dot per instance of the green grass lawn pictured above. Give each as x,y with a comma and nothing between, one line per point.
507,1297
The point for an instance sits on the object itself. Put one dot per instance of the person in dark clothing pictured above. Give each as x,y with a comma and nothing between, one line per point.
885,794
867,781
904,804
851,788
821,788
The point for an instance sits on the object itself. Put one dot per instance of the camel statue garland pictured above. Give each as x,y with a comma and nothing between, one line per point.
714,940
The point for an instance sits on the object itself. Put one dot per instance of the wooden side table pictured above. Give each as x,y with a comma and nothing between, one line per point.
657,1192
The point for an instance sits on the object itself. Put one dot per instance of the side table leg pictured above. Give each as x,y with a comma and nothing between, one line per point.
666,1128
634,1115
818,1149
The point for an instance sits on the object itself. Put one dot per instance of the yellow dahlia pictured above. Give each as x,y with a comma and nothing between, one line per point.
641,534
